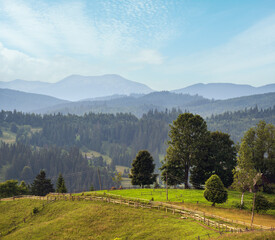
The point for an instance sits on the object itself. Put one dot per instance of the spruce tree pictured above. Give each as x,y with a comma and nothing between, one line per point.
60,186
142,172
41,186
214,190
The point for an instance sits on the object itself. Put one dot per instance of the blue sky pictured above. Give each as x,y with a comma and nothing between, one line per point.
164,44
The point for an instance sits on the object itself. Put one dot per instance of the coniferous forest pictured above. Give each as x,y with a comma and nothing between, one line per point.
61,143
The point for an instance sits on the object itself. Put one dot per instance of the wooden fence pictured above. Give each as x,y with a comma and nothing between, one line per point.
210,220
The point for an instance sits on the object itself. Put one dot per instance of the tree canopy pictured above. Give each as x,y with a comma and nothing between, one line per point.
220,159
142,171
187,144
41,186
60,185
256,158
214,190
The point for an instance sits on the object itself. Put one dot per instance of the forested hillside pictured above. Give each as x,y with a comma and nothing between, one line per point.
138,105
68,143
236,123
25,162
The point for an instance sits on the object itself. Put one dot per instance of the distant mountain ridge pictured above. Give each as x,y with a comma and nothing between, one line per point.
26,102
76,87
137,104
224,90
162,101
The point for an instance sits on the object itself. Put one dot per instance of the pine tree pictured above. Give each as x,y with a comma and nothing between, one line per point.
41,186
60,186
142,172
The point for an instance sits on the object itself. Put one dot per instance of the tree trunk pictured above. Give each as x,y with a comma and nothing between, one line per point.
252,217
213,204
242,200
186,185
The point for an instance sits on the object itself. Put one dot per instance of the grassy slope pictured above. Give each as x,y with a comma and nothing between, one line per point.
249,235
191,197
93,220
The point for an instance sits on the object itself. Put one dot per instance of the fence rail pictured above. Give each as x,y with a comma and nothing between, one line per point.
226,226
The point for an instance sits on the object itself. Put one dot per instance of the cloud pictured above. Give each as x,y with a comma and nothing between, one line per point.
39,28
148,56
247,57
17,65
47,40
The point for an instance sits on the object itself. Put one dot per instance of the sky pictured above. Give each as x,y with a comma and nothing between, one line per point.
165,44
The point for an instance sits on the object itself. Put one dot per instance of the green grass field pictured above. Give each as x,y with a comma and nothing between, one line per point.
92,220
188,196
194,200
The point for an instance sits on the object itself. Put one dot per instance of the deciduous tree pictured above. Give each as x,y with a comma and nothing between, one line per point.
187,144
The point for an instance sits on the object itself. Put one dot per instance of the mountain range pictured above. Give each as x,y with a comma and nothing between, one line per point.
26,102
135,104
113,93
76,87
224,90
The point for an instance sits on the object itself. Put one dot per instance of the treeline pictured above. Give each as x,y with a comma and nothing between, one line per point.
237,123
25,162
119,136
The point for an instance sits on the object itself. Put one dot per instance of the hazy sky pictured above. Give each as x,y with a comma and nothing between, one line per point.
164,44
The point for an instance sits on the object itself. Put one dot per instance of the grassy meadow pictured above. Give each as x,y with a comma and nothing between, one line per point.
92,220
194,200
193,196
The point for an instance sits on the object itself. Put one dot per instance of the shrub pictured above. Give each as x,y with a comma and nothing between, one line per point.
156,185
269,188
238,205
35,210
261,203
214,190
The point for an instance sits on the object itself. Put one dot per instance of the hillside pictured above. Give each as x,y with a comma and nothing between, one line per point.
102,220
77,87
162,101
137,105
266,100
225,90
26,102
92,220
237,123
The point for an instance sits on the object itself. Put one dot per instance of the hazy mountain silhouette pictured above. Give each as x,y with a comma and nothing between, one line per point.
162,101
26,102
76,87
224,90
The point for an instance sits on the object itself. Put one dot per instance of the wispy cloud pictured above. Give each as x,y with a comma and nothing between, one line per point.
148,56
247,57
97,33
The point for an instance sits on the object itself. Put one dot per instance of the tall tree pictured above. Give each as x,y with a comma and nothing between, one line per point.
142,171
220,160
187,144
244,172
41,186
260,142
